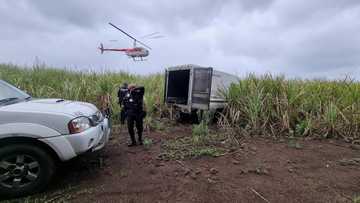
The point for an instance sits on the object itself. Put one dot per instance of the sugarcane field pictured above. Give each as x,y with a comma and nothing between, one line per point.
191,101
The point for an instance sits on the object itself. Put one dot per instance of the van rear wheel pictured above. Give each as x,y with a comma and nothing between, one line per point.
182,117
24,169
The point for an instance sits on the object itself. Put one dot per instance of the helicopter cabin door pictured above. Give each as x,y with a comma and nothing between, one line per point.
201,88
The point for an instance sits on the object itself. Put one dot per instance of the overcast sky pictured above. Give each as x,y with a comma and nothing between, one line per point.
298,38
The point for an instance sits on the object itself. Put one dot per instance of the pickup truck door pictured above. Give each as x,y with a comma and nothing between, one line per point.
201,89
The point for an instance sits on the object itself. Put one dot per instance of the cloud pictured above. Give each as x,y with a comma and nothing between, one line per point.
297,38
79,13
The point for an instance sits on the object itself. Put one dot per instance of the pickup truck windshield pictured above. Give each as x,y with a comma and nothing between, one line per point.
10,94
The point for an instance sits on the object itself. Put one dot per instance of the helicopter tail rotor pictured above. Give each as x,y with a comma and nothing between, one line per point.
101,48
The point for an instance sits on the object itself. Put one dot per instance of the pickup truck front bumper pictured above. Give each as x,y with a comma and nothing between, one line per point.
70,146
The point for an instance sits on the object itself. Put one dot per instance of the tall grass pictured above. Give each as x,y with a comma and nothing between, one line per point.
264,105
275,106
44,82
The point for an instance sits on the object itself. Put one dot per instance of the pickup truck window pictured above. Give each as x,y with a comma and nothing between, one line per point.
10,94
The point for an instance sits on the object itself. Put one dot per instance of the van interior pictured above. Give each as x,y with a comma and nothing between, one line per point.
178,86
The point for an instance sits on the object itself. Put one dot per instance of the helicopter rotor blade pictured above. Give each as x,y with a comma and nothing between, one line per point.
157,37
143,44
150,35
135,40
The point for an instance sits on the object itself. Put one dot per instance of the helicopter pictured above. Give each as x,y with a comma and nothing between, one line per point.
137,53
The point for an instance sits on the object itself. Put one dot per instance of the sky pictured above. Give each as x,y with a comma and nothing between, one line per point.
296,38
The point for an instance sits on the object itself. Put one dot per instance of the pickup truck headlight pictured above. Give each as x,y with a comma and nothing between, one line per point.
79,125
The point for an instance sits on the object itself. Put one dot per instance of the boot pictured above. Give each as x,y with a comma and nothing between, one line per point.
140,140
132,144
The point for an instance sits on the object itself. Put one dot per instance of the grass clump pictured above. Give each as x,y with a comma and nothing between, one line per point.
200,133
186,148
157,124
202,142
147,143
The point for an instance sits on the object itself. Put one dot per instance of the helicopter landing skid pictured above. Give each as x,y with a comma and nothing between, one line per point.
139,59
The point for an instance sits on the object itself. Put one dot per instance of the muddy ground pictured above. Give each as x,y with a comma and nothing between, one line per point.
261,170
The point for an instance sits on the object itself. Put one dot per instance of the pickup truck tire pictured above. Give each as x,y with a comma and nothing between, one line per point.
24,169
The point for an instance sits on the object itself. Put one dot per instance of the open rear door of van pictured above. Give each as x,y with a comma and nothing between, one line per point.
201,89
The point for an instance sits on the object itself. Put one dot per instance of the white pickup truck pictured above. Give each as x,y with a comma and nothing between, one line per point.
37,133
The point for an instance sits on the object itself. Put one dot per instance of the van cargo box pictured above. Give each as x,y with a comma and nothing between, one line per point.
192,87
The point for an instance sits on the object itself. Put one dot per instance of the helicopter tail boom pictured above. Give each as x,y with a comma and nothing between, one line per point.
102,49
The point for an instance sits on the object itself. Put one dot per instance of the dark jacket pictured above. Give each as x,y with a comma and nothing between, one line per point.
133,102
121,94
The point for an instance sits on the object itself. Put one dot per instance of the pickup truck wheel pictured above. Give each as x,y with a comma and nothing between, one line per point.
24,169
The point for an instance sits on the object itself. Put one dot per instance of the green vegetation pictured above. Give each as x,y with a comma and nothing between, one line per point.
147,143
188,147
356,199
263,105
200,133
202,142
65,194
275,106
156,124
44,82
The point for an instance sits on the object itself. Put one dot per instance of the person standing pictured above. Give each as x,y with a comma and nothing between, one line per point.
134,106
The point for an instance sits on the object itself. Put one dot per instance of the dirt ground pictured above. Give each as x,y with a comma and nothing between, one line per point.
262,170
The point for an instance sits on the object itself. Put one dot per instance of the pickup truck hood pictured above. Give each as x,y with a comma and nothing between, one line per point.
53,106
51,113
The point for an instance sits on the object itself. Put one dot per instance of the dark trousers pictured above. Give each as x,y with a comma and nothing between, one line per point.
122,116
138,120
